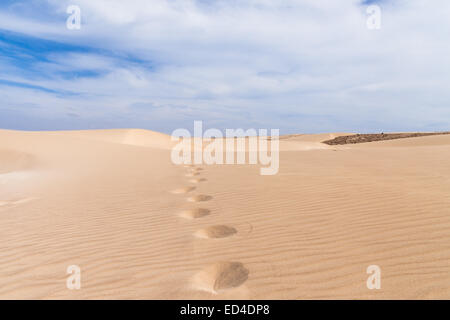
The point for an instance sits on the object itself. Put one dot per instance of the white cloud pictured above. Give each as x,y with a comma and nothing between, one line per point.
308,65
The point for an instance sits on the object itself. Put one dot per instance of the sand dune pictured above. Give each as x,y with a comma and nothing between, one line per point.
138,226
440,140
12,161
133,137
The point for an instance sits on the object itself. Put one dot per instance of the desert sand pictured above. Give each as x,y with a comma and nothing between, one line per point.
141,227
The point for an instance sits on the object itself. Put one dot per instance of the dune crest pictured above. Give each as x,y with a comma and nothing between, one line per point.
133,137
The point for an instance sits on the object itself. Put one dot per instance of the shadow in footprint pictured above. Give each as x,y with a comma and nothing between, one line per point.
182,190
214,232
198,180
199,198
195,213
221,276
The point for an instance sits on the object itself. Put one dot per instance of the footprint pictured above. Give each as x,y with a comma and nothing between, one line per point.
195,213
192,174
183,190
198,180
199,198
219,231
195,170
221,276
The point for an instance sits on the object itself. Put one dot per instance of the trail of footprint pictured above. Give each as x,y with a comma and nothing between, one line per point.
199,198
195,213
221,276
182,190
219,231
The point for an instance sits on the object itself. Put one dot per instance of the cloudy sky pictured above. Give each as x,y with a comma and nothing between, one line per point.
296,65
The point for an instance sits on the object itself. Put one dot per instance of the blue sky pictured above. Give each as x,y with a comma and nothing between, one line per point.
300,66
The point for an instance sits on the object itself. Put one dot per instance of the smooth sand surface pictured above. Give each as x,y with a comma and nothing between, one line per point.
141,227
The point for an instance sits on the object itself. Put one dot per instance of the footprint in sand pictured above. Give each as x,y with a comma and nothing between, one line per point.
197,180
221,276
182,190
215,232
199,198
192,174
195,169
195,213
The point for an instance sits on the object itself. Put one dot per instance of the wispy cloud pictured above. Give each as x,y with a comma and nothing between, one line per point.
302,66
